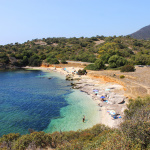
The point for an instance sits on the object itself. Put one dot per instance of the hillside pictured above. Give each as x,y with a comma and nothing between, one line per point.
115,51
133,133
143,33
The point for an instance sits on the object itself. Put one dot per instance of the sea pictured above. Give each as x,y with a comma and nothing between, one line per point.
36,100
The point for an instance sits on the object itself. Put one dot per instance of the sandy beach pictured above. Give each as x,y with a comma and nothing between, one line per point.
111,106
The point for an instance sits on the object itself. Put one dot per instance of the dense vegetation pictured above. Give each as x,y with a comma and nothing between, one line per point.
99,50
133,133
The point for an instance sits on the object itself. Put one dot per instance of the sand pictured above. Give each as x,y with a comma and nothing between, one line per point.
114,93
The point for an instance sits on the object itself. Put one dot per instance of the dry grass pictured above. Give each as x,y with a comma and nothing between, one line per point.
136,83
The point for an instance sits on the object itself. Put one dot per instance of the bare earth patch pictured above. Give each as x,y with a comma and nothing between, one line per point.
99,42
135,83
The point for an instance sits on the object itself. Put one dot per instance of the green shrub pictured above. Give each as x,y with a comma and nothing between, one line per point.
122,76
52,60
7,140
63,61
116,61
116,141
127,68
99,64
137,122
91,67
34,140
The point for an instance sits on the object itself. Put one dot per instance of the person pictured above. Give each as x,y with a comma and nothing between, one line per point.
83,118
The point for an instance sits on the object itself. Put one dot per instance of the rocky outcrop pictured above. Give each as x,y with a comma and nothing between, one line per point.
71,77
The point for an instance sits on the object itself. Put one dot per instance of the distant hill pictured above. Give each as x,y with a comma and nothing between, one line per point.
143,33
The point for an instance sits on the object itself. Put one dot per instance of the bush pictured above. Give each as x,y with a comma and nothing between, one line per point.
52,60
116,141
4,58
137,123
6,141
91,67
122,76
99,64
33,140
82,72
127,68
63,61
116,61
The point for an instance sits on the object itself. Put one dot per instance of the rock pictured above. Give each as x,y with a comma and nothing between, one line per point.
76,87
73,84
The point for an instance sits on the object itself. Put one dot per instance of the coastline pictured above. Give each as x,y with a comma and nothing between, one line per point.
113,92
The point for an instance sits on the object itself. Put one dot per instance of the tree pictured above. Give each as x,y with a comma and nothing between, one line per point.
52,60
99,64
34,61
105,57
4,58
63,61
116,61
142,59
127,68
25,61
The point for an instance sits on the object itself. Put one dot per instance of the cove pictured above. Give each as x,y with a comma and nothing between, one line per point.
30,100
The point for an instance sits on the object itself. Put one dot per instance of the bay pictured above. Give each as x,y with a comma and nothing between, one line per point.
42,101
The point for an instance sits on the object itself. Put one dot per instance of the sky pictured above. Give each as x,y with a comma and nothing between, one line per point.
23,20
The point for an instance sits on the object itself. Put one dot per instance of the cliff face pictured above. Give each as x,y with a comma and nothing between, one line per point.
143,33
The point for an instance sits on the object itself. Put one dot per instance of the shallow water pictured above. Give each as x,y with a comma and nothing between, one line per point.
28,99
80,104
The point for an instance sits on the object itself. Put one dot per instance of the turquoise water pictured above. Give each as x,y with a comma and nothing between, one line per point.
29,100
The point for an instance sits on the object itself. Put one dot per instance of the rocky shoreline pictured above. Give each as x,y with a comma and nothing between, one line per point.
114,93
114,97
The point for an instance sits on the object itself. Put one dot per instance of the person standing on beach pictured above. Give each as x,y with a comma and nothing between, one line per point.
83,118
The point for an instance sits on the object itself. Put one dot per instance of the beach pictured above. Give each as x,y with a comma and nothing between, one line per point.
111,107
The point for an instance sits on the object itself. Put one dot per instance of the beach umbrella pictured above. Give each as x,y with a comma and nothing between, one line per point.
96,92
111,112
102,97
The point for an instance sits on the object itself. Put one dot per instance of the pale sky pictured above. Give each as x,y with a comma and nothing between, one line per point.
23,20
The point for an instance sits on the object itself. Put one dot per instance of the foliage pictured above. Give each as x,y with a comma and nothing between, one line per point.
99,64
33,140
105,57
4,58
142,59
122,76
137,122
7,140
82,72
127,68
90,67
115,141
116,61
63,61
77,49
52,60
